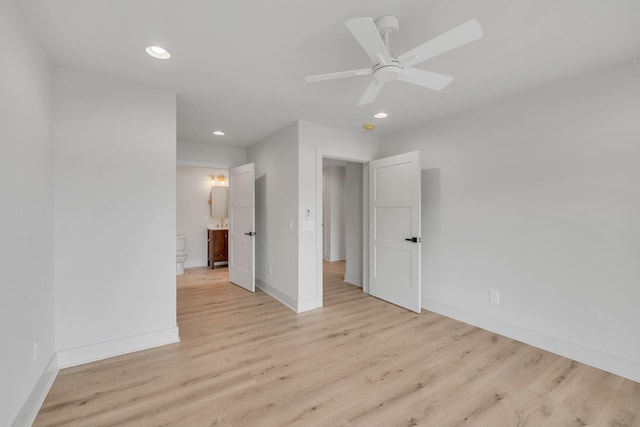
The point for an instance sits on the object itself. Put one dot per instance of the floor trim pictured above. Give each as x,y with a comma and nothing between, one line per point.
599,359
309,304
295,305
32,405
278,294
353,280
103,350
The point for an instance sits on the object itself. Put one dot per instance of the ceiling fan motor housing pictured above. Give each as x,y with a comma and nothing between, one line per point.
383,73
387,24
387,73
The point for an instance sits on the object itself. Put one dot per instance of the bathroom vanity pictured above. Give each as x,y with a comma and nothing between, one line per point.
217,246
217,225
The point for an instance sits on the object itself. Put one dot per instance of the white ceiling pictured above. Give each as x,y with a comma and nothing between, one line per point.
240,65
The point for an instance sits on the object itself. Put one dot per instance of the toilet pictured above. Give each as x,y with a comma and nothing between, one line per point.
181,253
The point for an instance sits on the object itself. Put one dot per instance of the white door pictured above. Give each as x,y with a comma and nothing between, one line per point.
394,230
242,226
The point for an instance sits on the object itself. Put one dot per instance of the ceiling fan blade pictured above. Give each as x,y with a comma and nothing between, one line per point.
366,32
425,78
338,75
456,37
370,94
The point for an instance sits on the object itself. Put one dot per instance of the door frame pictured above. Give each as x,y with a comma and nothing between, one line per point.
349,157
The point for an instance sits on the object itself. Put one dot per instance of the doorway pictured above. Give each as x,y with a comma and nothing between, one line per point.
215,208
200,208
390,227
342,218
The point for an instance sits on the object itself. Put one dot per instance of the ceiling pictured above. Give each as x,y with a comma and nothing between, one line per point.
240,65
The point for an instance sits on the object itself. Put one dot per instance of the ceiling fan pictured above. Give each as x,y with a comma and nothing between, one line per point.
373,36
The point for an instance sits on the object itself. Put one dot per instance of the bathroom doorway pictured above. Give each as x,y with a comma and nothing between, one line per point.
199,208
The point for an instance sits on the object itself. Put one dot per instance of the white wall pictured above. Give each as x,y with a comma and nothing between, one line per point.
326,214
115,216
334,222
276,166
193,190
538,197
353,223
210,155
26,221
317,141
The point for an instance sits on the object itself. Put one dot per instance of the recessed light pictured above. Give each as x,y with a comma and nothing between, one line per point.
158,52
381,115
369,126
218,133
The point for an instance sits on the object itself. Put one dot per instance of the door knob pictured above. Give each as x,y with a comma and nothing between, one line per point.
414,239
251,233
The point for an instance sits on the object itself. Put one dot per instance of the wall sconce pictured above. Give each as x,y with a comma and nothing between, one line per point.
219,181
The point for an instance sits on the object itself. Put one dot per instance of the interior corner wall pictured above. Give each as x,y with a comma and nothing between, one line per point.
26,222
114,152
353,223
315,139
326,215
276,168
537,197
334,180
210,155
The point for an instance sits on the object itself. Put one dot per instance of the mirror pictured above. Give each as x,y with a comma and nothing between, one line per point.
219,202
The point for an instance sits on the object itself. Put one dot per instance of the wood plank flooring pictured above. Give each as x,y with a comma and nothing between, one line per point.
247,360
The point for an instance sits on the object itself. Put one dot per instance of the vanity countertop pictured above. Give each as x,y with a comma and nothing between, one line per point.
216,227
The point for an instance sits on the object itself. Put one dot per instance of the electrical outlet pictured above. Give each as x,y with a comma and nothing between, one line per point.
270,270
494,296
35,350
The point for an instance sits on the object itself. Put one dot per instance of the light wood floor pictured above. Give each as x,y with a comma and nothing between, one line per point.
246,360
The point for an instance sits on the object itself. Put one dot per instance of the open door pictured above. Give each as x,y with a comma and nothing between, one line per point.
242,226
394,230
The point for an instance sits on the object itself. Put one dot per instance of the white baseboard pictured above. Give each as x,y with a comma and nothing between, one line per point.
278,294
106,349
309,304
606,361
195,264
292,303
32,405
353,279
